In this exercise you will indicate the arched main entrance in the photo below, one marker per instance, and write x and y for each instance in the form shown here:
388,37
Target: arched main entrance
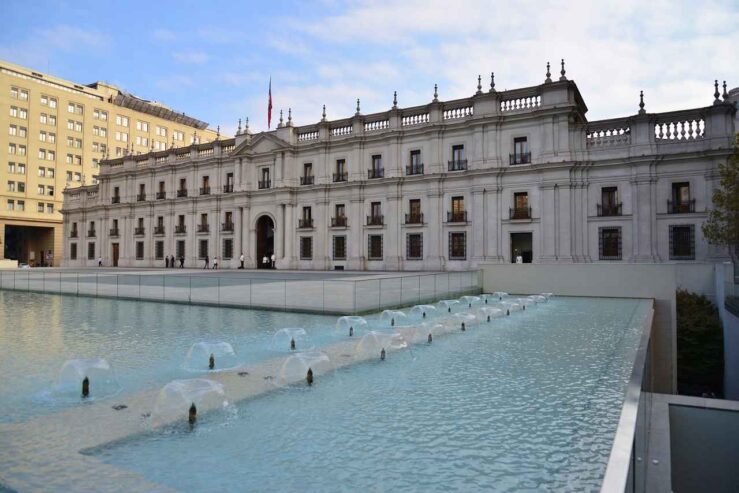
265,241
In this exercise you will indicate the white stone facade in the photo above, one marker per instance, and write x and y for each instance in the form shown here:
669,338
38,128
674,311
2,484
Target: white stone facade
643,161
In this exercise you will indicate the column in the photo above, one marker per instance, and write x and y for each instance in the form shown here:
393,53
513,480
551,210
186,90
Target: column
565,213
548,238
435,221
478,220
355,235
643,210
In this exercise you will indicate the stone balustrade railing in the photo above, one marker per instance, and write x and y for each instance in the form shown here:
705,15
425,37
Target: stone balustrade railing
341,130
608,133
308,135
414,119
679,126
455,113
376,125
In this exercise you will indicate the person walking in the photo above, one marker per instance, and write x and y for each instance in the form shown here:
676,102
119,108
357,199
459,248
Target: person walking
171,262
166,262
207,262
274,265
241,259
100,261
215,262
182,261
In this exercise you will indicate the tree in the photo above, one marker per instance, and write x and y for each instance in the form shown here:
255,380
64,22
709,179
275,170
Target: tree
722,225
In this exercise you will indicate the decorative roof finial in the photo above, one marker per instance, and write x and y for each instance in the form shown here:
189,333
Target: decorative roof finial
323,115
726,94
395,99
641,103
171,146
716,94
246,125
218,132
238,130
479,84
289,117
436,93
492,81
562,72
357,113
195,137
281,124
549,75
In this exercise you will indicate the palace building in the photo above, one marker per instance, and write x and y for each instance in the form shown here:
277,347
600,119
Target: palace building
501,176
57,132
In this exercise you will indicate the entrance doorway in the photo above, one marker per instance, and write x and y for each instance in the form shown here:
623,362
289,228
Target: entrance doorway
265,242
521,245
114,254
33,245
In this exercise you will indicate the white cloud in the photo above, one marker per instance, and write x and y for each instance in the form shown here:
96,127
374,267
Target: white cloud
164,35
194,57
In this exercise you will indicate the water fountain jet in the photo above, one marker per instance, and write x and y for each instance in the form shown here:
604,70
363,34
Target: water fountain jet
85,388
211,362
309,377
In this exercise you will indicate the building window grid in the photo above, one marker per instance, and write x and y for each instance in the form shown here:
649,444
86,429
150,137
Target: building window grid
374,247
228,249
682,242
457,246
306,248
339,247
610,243
414,246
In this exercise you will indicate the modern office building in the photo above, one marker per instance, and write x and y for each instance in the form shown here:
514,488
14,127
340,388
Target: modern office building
57,132
517,175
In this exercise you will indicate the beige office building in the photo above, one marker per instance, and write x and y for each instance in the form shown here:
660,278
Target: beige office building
56,132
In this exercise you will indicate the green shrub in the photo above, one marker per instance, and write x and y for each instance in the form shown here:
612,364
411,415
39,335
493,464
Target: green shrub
700,346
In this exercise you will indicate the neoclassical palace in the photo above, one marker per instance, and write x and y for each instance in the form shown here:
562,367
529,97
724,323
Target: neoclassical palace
501,176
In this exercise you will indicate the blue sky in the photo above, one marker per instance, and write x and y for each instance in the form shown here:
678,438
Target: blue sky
213,59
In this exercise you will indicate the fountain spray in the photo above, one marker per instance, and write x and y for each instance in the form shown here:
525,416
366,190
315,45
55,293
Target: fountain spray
309,377
211,362
85,388
292,344
382,355
192,415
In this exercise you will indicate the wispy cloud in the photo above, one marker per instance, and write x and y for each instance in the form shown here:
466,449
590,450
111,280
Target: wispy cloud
194,57
164,35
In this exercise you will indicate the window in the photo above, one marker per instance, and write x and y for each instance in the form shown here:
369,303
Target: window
229,187
458,213
414,246
41,171
158,250
24,95
22,131
415,159
414,212
341,174
50,190
458,161
21,186
306,248
121,120
100,115
22,114
40,207
91,250
521,154
41,190
14,111
12,130
52,103
70,107
11,186
610,243
11,205
143,126
52,120
521,208
374,247
12,149
681,201
339,247
50,172
50,208
682,242
161,131
307,178
20,205
14,92
457,246
11,167
22,151
180,248
203,248
228,248
73,251
139,250
375,218
177,135
377,170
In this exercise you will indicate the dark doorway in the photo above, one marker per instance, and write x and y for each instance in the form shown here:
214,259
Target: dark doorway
521,244
115,254
29,244
265,242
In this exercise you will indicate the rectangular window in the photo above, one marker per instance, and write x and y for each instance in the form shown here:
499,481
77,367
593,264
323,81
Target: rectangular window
457,153
341,174
374,247
339,247
228,248
609,197
203,248
139,250
415,158
610,243
91,250
457,246
682,242
73,251
20,205
50,208
11,205
180,249
159,250
521,154
306,248
40,207
414,246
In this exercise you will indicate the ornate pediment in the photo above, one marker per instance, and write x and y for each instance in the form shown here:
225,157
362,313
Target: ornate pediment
261,143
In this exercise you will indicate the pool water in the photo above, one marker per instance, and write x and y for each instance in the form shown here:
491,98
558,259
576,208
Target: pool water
528,402
145,342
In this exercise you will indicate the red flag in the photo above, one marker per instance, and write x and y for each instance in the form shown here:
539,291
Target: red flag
269,106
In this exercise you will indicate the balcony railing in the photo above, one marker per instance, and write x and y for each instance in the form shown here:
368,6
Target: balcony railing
180,229
139,231
457,165
520,158
73,233
414,218
373,173
227,227
204,190
519,213
338,222
375,220
305,222
341,177
203,228
228,188
456,217
414,169
161,195
158,230
141,197
182,192
114,232
91,233
681,207
116,199
609,209
263,184
306,180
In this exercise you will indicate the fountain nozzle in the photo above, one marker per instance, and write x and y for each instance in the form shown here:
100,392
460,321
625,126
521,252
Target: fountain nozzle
382,355
85,388
309,377
292,344
463,327
211,362
449,310
351,331
392,322
488,318
192,415
430,338
424,314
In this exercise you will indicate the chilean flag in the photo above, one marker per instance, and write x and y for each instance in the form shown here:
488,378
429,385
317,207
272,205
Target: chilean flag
269,106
